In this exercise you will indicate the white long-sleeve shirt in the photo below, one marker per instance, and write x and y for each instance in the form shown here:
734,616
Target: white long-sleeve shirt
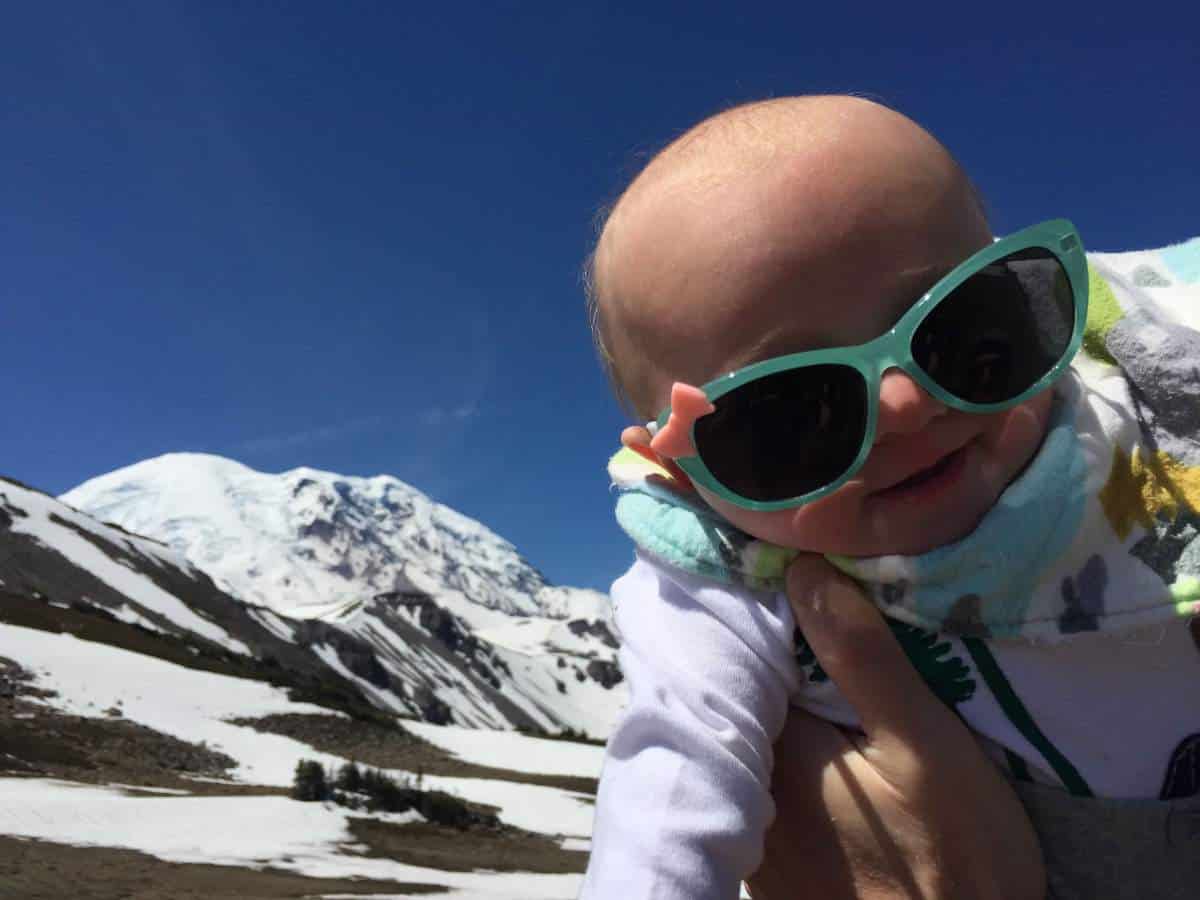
684,798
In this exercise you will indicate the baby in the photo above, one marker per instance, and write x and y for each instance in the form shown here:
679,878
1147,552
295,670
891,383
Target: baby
804,299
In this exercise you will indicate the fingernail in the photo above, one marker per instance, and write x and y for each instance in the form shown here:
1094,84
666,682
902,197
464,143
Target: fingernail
806,578
823,599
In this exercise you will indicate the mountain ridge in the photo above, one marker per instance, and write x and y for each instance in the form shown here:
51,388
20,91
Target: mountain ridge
420,647
305,541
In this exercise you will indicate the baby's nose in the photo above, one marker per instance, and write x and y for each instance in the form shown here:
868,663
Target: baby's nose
904,406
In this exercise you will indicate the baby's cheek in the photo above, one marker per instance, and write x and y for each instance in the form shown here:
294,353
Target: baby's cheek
1015,436
762,525
832,524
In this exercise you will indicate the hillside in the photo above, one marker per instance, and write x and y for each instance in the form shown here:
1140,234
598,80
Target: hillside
152,719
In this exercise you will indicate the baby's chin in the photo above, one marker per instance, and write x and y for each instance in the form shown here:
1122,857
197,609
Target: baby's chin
884,537
871,536
874,536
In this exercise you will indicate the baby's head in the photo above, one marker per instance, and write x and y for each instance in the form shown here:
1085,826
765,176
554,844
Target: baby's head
799,224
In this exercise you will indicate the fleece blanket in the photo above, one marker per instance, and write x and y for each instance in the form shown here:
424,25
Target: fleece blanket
1099,532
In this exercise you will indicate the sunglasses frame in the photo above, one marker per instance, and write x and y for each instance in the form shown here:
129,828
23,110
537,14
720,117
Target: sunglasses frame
893,349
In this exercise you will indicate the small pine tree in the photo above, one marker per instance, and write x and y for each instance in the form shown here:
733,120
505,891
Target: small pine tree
309,784
349,778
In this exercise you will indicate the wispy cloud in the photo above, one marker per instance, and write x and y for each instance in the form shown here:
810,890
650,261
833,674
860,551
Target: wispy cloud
308,436
446,415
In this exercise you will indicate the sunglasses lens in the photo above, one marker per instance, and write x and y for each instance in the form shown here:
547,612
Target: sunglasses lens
785,435
999,331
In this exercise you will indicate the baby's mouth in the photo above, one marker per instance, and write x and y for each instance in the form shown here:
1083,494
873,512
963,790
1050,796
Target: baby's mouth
943,467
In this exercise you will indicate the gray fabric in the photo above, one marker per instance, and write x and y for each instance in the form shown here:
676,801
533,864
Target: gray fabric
1105,849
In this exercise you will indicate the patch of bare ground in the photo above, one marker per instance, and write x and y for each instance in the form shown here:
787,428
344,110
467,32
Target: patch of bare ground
37,740
503,849
39,870
311,683
381,746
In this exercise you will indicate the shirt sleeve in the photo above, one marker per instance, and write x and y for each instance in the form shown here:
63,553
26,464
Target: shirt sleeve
684,799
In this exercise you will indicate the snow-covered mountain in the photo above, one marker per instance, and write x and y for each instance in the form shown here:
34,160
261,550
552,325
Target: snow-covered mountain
331,580
123,663
306,543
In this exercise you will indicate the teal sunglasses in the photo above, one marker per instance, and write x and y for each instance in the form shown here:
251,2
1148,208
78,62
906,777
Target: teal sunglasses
996,330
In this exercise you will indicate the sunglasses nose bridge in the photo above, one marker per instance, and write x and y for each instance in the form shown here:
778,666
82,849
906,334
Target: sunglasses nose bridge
886,353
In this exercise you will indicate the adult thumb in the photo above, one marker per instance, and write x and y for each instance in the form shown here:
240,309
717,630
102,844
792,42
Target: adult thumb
854,645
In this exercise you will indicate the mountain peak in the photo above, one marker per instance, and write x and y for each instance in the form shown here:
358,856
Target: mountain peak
307,542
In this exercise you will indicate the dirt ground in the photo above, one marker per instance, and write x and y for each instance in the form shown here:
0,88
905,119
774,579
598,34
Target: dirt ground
36,870
36,740
39,742
439,847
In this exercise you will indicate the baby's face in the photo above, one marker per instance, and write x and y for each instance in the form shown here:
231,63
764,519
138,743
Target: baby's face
799,256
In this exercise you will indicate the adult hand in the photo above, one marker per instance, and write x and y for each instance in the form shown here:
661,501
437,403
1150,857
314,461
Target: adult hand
911,807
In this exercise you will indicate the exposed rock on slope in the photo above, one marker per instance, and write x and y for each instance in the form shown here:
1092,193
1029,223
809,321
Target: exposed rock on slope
403,650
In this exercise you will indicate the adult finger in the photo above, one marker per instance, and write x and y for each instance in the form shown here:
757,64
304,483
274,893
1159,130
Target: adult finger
859,652
635,435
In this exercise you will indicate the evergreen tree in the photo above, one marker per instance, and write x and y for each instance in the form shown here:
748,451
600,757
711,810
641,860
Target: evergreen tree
309,783
349,778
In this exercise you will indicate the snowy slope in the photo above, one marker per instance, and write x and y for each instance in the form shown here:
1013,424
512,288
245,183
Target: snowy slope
260,830
307,542
124,564
402,652
462,628
103,623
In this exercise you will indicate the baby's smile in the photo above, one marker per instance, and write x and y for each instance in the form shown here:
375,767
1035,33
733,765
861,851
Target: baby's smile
928,478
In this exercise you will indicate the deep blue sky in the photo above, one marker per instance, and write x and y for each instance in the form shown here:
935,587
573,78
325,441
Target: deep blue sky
348,235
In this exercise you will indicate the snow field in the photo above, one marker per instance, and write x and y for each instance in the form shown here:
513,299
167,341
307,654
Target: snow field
510,750
193,706
307,838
